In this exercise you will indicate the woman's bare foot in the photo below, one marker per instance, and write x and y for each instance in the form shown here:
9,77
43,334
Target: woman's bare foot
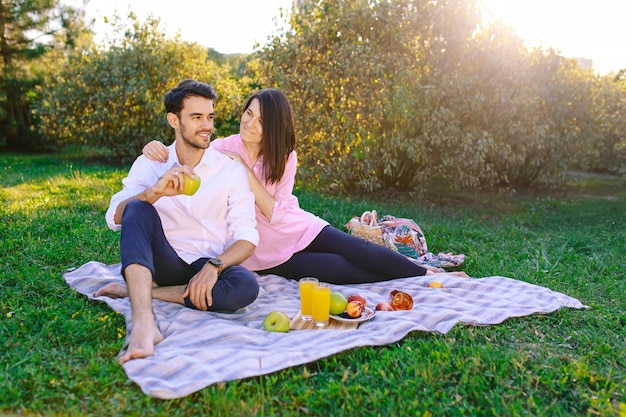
143,336
459,274
454,273
112,290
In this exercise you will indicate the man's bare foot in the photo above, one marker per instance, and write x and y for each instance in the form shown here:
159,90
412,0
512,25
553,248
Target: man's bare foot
141,341
112,290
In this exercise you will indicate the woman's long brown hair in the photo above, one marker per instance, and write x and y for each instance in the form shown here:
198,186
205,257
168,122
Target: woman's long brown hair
278,127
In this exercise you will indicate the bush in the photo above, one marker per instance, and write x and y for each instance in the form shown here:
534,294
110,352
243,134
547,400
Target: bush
395,93
112,99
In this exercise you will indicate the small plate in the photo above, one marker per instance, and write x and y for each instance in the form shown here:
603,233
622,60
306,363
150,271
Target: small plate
367,314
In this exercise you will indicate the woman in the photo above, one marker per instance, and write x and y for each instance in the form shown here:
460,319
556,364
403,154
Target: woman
294,243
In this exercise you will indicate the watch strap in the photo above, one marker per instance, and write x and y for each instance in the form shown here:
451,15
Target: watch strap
216,262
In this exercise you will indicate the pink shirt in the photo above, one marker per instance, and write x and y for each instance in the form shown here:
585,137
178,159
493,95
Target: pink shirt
291,228
220,213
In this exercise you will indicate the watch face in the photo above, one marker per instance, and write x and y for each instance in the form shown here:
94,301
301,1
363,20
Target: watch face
216,262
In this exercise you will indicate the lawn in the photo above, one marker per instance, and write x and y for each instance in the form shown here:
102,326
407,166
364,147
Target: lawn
60,348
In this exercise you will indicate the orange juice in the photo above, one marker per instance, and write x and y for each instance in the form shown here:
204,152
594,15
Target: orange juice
306,289
321,304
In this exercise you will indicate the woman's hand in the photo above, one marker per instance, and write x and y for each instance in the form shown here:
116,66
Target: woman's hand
156,151
234,156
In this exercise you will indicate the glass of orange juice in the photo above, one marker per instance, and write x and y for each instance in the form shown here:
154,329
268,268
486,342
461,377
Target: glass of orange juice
306,289
321,304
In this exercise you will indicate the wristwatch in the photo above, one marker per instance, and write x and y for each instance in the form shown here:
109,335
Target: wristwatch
216,262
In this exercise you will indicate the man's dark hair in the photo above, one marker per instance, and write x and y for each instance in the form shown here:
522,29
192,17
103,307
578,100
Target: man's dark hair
187,88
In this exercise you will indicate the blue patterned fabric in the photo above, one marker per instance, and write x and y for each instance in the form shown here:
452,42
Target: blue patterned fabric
203,348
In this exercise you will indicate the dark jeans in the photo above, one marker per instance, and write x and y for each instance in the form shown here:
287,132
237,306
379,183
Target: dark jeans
337,257
143,242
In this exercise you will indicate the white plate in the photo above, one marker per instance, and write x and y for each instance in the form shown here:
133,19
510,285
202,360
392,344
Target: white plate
367,314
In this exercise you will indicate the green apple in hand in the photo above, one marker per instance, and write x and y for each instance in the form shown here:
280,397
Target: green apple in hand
190,185
338,303
276,321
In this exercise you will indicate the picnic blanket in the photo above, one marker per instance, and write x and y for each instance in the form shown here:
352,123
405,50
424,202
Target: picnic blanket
203,348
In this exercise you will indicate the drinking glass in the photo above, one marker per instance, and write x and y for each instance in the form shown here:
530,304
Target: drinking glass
321,304
306,288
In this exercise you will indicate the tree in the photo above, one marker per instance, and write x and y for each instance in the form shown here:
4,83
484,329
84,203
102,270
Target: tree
392,93
609,97
362,77
28,30
110,98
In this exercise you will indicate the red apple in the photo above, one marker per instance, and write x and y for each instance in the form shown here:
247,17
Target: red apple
357,297
384,306
354,309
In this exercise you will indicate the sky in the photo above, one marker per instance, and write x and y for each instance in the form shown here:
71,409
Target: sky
592,29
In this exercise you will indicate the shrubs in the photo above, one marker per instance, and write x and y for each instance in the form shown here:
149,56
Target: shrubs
392,94
386,94
112,99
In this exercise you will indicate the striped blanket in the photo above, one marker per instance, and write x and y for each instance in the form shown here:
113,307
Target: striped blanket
204,348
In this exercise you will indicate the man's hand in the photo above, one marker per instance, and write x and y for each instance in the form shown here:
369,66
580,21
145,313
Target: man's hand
171,182
200,288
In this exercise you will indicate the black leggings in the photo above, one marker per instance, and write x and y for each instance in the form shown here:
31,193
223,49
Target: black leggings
337,257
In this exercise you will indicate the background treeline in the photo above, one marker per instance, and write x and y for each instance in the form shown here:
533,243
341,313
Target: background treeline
396,93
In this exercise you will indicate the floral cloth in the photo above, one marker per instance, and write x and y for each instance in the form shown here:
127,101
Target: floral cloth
404,236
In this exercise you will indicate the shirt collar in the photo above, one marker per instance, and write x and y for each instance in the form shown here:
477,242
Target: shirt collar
208,157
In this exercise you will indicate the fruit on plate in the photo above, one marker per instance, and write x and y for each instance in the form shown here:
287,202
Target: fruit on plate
338,303
276,321
357,297
190,185
401,300
435,284
354,309
384,306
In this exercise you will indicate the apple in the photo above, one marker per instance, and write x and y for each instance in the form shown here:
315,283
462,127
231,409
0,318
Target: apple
384,306
357,297
276,321
338,303
435,284
190,185
354,309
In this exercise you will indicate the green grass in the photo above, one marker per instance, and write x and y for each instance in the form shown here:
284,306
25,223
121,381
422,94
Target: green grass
59,348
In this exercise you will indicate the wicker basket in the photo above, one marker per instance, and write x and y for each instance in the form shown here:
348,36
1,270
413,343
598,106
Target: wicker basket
366,227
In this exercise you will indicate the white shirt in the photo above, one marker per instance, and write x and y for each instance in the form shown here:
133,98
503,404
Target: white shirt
220,213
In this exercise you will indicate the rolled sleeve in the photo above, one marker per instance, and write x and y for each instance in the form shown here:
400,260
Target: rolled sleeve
283,197
136,182
241,216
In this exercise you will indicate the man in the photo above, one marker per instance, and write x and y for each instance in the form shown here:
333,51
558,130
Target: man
180,248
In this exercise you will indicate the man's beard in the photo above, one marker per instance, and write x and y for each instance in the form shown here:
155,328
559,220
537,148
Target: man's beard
188,139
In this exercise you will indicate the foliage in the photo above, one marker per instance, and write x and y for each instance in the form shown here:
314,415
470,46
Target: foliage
395,93
30,30
59,347
608,125
112,98
387,94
